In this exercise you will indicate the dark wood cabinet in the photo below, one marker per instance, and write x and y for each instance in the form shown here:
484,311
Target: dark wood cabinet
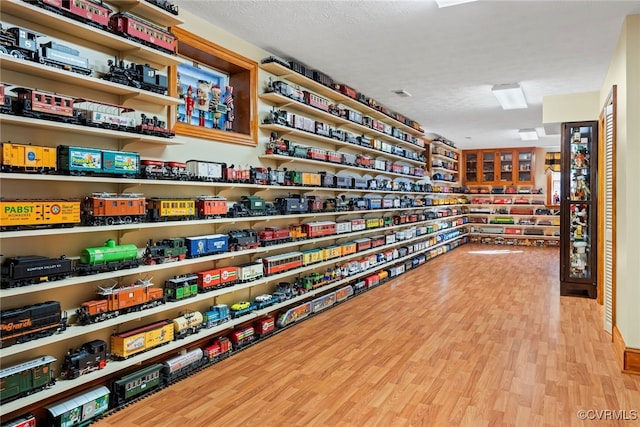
578,209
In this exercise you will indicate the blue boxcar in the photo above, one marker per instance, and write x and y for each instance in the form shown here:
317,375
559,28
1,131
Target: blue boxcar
91,161
374,203
207,245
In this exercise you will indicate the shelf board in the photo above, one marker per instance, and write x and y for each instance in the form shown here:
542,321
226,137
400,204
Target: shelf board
77,30
445,158
373,172
41,70
150,12
285,130
307,83
509,236
126,137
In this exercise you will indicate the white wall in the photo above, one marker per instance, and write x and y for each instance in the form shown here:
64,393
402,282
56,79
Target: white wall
624,72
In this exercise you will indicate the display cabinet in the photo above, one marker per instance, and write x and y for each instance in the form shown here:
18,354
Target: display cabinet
578,255
499,166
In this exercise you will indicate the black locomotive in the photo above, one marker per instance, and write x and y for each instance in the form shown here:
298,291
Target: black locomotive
240,240
135,75
90,357
28,270
292,204
27,323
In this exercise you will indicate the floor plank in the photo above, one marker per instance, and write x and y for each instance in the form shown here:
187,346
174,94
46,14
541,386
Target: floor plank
473,338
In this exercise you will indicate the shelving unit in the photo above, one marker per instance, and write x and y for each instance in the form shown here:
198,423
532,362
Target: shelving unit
434,237
499,167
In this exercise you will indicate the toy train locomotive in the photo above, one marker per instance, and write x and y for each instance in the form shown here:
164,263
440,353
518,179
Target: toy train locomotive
23,44
136,75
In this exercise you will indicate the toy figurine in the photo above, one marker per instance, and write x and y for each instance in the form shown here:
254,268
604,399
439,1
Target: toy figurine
228,100
202,98
214,106
188,104
180,90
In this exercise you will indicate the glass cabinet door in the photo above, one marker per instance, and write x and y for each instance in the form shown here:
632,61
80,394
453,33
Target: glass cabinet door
506,166
471,167
525,166
488,166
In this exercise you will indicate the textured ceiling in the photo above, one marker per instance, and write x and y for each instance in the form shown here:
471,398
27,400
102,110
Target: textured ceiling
447,59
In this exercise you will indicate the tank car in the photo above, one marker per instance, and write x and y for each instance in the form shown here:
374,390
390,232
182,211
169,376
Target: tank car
90,357
30,322
187,324
182,365
26,378
109,257
29,270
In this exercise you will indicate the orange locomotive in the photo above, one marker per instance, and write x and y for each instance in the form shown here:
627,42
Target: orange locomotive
110,208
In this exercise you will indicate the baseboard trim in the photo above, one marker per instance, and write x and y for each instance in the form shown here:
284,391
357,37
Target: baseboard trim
628,358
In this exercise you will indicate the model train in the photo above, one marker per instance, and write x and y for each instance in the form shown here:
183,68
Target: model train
31,322
99,15
23,44
143,77
44,105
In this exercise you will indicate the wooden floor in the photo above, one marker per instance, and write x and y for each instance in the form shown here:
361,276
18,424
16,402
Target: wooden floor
472,338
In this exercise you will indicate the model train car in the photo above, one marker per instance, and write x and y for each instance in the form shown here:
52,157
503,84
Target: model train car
26,378
90,357
136,75
31,322
29,270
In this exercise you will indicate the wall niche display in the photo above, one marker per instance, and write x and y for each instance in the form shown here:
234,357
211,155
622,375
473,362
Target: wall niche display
217,88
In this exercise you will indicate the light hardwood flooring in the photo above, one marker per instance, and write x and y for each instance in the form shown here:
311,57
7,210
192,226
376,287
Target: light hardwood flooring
471,338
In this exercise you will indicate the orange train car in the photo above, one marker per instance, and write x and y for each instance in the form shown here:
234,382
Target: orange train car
129,343
110,208
17,214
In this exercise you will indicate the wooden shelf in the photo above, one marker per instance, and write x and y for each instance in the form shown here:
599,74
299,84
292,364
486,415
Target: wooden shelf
150,12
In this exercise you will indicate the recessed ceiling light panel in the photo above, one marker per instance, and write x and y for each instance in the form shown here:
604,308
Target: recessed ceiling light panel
510,96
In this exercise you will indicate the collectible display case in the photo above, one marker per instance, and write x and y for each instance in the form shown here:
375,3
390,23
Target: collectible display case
578,256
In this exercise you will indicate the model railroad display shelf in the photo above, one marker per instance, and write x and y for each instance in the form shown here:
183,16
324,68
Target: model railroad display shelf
578,231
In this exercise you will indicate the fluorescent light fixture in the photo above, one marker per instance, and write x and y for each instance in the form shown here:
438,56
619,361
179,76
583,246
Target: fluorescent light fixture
528,134
447,3
510,96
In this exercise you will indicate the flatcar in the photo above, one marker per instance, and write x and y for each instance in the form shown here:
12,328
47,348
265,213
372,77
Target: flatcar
166,250
111,208
88,358
117,300
240,240
135,28
264,301
240,309
22,324
135,384
90,161
181,287
29,270
109,257
280,263
210,244
170,209
129,343
26,378
217,278
274,236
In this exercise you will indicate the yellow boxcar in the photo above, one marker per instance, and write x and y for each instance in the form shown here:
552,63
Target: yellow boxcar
348,248
311,256
28,158
311,179
332,252
21,213
126,344
374,222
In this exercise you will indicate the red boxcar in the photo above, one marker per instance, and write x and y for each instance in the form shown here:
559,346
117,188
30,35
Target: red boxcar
242,336
372,281
36,102
264,326
377,241
217,278
211,207
232,174
363,244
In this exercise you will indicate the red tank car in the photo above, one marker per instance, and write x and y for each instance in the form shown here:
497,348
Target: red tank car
264,327
209,207
217,278
273,236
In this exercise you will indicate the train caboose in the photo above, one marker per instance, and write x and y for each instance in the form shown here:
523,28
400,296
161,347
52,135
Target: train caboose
90,357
